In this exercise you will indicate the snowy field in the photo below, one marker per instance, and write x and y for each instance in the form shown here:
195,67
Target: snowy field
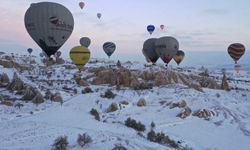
225,127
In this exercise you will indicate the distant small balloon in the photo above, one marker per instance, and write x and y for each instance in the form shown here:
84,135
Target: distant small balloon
150,28
85,41
81,4
162,26
99,15
30,50
179,56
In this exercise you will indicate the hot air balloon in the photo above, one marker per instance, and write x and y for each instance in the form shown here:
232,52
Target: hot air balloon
166,48
236,50
149,50
237,68
179,56
30,50
150,28
80,56
49,25
58,54
162,26
81,4
99,15
41,54
85,41
109,48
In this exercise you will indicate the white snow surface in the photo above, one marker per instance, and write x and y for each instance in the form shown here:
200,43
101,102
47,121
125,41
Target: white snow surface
229,129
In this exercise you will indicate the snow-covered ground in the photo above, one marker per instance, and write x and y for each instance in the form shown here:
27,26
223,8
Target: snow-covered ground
37,126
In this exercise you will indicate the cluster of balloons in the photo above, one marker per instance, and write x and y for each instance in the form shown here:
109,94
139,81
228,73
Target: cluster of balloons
51,24
151,28
165,48
82,5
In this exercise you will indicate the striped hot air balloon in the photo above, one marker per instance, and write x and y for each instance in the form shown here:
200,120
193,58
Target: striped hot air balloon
236,51
179,56
80,56
109,48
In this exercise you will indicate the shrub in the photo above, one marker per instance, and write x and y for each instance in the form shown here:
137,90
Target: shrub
109,94
119,147
161,138
95,113
152,125
60,143
87,90
138,126
83,139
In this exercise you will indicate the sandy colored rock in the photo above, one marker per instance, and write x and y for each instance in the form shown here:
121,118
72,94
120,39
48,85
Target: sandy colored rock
184,114
83,83
38,99
142,103
4,79
224,83
7,103
204,113
124,102
113,107
16,84
60,61
29,93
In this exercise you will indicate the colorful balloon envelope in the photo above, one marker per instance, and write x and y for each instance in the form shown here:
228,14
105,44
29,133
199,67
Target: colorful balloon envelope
29,50
236,51
162,26
150,28
166,48
85,41
109,48
149,50
99,15
81,4
49,25
80,56
179,56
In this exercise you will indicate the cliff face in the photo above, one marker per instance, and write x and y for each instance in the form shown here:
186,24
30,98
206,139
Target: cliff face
139,79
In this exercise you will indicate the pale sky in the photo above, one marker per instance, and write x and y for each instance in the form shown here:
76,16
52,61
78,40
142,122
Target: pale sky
198,25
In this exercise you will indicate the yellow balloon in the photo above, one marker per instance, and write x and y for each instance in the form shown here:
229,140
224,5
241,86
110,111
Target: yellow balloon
80,56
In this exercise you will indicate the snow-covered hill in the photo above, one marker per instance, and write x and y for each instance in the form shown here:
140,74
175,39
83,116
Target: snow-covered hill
184,103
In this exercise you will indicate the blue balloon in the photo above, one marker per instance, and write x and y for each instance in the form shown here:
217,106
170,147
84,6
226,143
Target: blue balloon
29,50
151,28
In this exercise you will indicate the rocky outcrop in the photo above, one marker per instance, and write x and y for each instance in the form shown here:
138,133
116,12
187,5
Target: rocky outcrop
204,113
142,103
184,114
38,99
16,84
181,104
224,83
29,93
113,107
4,80
57,97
